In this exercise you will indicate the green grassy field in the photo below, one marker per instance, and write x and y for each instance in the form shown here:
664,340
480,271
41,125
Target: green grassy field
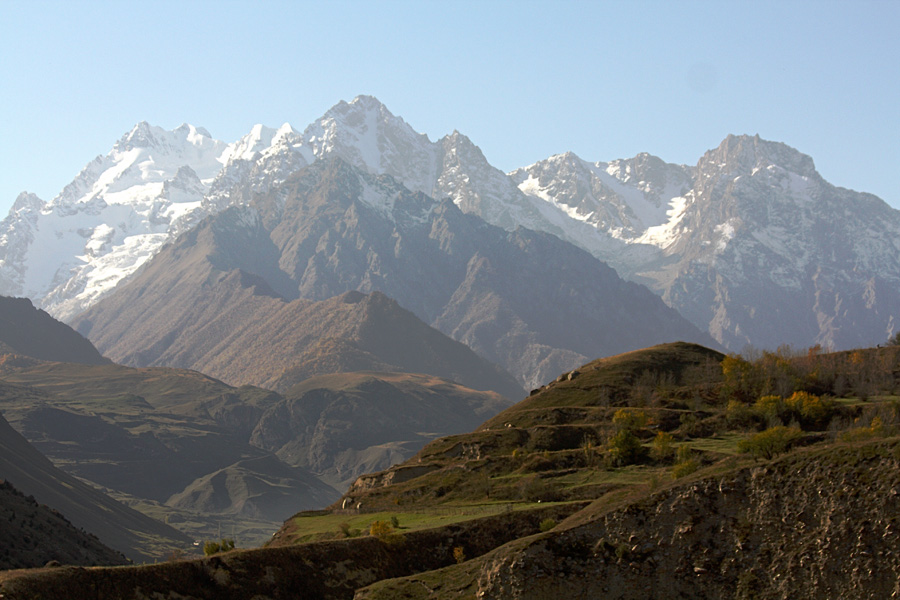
314,527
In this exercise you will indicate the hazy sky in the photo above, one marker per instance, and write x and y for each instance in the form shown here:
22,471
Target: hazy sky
524,80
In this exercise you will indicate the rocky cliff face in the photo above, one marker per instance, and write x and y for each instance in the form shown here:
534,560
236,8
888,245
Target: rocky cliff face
818,525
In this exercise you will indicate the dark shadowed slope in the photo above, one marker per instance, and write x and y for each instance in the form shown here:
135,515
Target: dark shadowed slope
34,534
137,536
27,330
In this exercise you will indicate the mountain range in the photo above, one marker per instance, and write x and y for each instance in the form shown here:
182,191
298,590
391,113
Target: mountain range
525,300
751,244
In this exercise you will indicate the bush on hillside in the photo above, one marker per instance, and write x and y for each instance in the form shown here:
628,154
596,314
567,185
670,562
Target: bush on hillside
662,448
224,545
771,442
685,463
625,448
738,415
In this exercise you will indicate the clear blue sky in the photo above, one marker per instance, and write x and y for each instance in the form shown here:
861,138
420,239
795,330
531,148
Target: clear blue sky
524,80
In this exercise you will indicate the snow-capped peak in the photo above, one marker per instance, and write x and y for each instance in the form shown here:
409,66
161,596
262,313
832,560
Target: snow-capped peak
258,139
25,202
111,218
742,154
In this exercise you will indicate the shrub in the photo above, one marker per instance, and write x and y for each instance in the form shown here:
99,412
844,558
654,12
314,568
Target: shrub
685,464
769,408
625,448
385,533
738,414
690,425
630,419
662,446
224,545
459,555
873,430
771,442
380,529
347,532
685,468
812,411
395,522
547,524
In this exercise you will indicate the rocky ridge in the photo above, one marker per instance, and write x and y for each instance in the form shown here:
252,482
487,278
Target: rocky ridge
751,244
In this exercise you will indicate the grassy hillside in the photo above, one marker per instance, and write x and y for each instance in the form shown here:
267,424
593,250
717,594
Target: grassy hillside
677,471
160,440
344,425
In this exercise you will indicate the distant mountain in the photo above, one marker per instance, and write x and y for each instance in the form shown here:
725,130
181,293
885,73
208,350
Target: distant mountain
190,445
524,300
208,303
341,426
137,536
751,244
114,215
32,332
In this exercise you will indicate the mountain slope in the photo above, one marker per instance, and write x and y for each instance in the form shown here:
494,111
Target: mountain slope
152,433
128,531
187,442
111,218
27,330
341,426
221,315
525,300
33,535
